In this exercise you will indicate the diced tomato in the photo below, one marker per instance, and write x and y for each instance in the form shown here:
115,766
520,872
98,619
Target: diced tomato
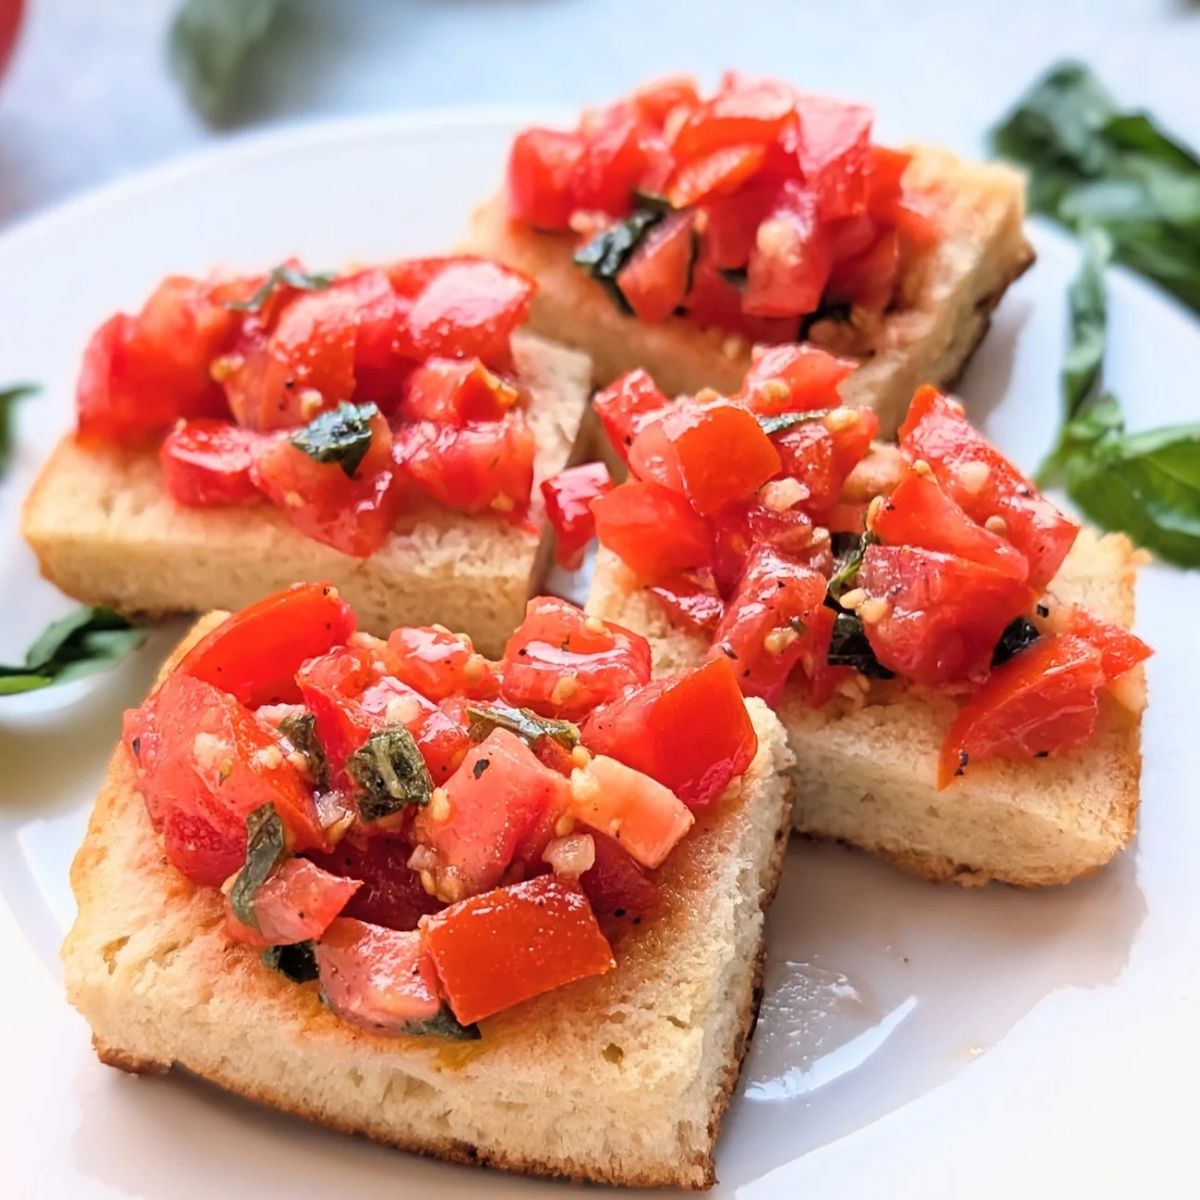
715,174
813,659
456,391
868,279
765,620
495,950
690,601
811,375
208,765
752,114
470,310
207,462
738,529
614,160
540,166
655,101
561,663
654,530
295,904
714,301
922,513
473,468
624,405
1042,701
821,454
615,885
1120,650
731,224
255,653
439,664
985,483
835,154
943,614
502,805
352,513
689,731
792,257
391,893
382,980
568,496
851,236
657,277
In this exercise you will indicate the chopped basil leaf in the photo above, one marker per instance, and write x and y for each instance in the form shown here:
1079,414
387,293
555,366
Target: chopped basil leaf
304,281
266,848
785,421
442,1024
342,435
848,647
609,251
389,774
87,641
301,730
1092,165
1018,635
525,724
736,277
655,200
210,40
297,962
8,399
847,565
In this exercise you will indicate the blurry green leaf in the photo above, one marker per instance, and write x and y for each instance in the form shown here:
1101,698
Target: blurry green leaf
80,644
8,399
305,281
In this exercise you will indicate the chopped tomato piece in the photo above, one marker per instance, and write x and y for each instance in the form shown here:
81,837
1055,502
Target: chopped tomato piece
456,391
657,277
255,653
295,904
207,462
811,377
835,154
561,663
732,223
440,664
615,885
792,257
689,601
473,468
568,496
813,659
1042,701
654,530
766,619
624,405
821,453
750,114
985,483
540,166
390,893
1120,650
655,101
741,527
941,615
715,174
379,979
714,301
495,950
868,279
922,513
604,178
501,806
689,731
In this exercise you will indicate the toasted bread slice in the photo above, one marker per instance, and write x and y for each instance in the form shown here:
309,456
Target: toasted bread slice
866,772
943,311
619,1079
106,532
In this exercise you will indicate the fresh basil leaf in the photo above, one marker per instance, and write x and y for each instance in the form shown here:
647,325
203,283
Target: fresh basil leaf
605,255
301,730
209,43
266,848
846,566
8,399
341,435
521,721
1019,634
782,422
283,276
442,1024
1088,310
80,644
389,774
297,961
848,647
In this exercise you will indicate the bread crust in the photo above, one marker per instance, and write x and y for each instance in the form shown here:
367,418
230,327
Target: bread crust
945,305
106,532
622,1079
866,773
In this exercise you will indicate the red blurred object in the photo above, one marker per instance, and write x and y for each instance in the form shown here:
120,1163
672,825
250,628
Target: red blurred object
10,23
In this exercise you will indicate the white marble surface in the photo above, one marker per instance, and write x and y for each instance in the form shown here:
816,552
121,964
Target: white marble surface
89,97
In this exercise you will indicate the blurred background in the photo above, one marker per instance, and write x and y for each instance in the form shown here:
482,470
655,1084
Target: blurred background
92,92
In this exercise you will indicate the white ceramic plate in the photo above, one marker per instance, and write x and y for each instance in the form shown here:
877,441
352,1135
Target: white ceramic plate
914,1040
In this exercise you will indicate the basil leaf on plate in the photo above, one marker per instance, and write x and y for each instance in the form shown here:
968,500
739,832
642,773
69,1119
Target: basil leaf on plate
341,435
282,276
8,399
82,643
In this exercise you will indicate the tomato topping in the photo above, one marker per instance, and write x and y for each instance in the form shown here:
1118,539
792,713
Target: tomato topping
811,377
813,659
690,601
1042,701
819,454
624,405
985,483
500,805
835,154
440,664
654,530
390,893
792,257
940,615
379,979
495,950
742,527
456,391
568,496
255,653
561,663
540,168
715,174
616,887
765,620
295,904
473,468
689,731
658,276
207,462
752,114
868,279
1120,650
613,163
922,513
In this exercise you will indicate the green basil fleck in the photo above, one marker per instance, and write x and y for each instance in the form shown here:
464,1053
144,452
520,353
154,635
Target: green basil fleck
1019,634
608,252
782,422
283,276
847,566
389,774
521,721
300,728
85,642
297,962
342,435
442,1024
849,647
8,400
266,848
